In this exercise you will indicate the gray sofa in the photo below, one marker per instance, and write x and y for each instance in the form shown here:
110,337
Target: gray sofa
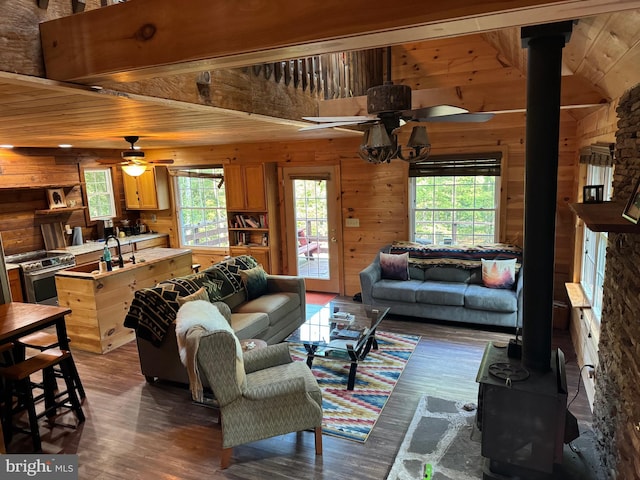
271,317
442,292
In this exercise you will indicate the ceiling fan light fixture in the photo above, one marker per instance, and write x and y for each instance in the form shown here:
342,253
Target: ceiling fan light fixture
419,145
377,146
134,170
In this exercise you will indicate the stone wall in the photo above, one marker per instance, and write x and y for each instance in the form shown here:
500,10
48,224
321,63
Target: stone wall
617,400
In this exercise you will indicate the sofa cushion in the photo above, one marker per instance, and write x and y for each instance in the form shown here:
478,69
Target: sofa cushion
394,267
447,274
275,305
491,299
441,293
395,290
249,325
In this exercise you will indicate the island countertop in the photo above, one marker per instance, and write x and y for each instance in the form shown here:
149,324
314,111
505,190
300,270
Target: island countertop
144,258
99,302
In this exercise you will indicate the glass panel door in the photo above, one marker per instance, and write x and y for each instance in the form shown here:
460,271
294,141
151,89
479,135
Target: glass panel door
312,232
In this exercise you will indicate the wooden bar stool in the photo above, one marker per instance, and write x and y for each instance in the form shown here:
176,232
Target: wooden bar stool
18,384
43,341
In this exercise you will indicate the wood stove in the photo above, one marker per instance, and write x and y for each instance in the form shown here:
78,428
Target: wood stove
521,414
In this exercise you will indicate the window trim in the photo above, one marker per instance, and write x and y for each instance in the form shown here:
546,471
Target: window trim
117,187
177,172
501,191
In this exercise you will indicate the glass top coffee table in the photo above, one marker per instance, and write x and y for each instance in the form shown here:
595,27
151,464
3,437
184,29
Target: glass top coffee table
340,332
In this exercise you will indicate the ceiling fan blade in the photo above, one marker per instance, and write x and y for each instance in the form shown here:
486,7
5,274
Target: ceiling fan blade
110,161
331,125
422,114
461,118
354,118
163,160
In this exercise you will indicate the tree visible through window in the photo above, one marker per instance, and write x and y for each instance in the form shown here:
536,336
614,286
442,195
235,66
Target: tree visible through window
202,207
99,188
455,209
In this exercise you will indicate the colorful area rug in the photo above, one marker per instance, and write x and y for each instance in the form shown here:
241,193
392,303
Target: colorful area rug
353,414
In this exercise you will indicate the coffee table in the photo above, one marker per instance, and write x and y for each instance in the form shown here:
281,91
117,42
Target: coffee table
326,334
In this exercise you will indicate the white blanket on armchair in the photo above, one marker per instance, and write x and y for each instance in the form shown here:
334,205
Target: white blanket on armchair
193,320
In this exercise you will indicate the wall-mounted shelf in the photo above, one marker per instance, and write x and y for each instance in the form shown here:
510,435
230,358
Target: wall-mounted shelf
604,217
41,186
57,211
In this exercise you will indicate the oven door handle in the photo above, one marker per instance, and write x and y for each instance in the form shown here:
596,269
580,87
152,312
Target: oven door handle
37,275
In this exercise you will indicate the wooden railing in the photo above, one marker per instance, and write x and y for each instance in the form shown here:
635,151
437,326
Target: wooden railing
329,76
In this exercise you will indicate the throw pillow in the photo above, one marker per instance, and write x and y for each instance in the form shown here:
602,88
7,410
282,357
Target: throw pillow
255,281
499,273
394,267
201,294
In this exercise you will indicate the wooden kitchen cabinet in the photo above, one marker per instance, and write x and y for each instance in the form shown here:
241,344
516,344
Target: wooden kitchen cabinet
253,214
245,187
15,285
261,254
149,191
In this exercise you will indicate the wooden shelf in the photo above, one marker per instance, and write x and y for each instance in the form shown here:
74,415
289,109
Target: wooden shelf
56,211
604,217
42,186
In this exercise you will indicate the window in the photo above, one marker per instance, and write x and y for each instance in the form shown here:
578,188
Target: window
202,207
595,244
451,205
99,188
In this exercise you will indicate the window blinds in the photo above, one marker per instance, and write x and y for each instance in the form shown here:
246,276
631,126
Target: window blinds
473,164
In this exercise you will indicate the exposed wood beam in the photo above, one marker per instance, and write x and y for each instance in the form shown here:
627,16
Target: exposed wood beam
576,93
135,40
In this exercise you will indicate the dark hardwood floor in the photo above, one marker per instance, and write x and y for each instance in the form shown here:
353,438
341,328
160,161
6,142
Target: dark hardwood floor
135,430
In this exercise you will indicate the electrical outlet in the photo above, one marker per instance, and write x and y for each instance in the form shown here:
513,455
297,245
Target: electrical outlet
154,218
352,222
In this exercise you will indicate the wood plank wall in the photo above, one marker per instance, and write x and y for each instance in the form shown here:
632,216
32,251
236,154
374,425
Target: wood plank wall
375,194
25,175
378,194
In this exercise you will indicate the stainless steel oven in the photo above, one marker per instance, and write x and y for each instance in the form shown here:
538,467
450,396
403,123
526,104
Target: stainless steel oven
38,270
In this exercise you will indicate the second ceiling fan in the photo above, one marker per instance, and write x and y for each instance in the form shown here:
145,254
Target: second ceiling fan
389,108
133,161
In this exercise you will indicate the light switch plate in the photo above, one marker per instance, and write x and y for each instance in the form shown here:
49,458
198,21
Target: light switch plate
352,222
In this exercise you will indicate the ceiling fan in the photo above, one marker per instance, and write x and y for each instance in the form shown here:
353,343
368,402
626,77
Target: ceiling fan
389,108
133,162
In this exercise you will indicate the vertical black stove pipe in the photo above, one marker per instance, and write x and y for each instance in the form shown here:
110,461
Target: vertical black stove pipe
545,44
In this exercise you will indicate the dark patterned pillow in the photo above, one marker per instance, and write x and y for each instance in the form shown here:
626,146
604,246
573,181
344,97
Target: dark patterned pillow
224,277
394,267
255,281
151,313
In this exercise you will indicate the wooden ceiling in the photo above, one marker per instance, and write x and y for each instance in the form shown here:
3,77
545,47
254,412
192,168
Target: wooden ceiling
470,71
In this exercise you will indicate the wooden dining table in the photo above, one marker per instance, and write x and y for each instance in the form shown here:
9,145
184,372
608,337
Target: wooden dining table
20,319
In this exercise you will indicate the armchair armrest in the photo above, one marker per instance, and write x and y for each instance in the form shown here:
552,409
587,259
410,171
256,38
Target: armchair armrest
278,388
262,358
368,277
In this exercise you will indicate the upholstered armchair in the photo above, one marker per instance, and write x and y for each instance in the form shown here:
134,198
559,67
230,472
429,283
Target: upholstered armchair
261,393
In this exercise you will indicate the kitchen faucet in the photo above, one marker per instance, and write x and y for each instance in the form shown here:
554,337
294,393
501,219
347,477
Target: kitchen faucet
106,243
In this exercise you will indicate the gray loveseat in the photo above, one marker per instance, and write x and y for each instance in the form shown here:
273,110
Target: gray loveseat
445,290
272,316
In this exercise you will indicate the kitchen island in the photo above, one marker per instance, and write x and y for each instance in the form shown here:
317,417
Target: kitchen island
99,302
